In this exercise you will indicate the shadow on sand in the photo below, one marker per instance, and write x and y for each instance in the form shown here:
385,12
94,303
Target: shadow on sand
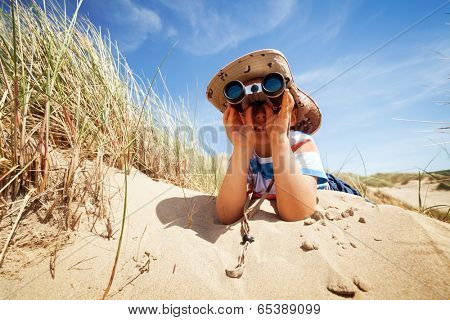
199,214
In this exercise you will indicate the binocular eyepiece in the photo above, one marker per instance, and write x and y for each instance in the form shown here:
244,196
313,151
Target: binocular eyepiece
272,86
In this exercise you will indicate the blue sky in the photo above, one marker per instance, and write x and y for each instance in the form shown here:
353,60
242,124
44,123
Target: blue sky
406,79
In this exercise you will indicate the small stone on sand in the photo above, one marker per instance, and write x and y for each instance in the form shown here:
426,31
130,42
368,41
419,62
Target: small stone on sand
333,237
353,244
377,238
235,273
351,211
361,284
323,222
309,221
345,214
317,215
342,286
310,245
332,214
362,220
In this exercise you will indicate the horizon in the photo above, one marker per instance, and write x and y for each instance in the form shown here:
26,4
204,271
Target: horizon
405,79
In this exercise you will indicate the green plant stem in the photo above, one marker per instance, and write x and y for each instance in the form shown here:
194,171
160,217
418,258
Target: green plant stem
122,228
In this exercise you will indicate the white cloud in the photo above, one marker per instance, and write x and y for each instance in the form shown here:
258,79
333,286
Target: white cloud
358,108
394,82
171,32
207,30
132,24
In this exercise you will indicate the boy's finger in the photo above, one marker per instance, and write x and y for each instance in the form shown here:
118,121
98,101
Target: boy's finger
245,105
234,117
237,118
287,102
290,101
231,112
268,110
226,114
242,118
249,116
267,101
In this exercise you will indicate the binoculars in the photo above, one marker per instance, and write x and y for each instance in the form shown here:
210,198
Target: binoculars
272,87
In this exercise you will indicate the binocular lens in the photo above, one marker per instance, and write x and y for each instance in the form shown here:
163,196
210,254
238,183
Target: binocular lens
234,91
273,84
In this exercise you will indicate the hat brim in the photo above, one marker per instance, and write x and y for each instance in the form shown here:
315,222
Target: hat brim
257,64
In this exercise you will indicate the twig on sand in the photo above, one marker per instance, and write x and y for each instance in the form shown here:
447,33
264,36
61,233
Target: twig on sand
139,245
145,268
53,262
81,261
22,208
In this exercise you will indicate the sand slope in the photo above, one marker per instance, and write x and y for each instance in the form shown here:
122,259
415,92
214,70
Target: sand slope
394,254
409,193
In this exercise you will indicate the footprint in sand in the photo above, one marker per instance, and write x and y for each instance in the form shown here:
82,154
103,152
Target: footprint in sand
342,286
342,244
345,287
361,284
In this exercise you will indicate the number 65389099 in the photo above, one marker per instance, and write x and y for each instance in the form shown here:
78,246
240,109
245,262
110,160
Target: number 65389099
269,308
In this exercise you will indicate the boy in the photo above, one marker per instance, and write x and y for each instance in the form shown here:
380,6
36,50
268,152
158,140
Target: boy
270,139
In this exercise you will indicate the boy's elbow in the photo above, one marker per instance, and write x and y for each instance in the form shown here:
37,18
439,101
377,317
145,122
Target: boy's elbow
295,213
224,215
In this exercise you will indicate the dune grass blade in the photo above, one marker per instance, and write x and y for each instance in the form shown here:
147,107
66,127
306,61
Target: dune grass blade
122,228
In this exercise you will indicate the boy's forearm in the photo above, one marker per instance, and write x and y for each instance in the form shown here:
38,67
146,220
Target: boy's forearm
296,193
233,191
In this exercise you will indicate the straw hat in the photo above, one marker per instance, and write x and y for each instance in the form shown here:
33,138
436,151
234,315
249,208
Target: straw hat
258,64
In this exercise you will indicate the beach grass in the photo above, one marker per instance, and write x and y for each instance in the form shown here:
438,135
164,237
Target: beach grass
71,107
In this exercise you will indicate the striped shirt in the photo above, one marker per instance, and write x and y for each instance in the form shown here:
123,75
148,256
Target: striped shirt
306,155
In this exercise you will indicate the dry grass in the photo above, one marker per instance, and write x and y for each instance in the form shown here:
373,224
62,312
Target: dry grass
70,107
441,213
379,180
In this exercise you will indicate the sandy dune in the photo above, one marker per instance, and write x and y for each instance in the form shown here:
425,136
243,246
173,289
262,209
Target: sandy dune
409,193
174,248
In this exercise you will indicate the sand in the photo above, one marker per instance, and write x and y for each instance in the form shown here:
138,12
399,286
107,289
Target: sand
175,248
409,193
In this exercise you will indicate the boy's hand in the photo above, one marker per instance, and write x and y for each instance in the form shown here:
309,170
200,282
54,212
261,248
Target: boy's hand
277,125
239,128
